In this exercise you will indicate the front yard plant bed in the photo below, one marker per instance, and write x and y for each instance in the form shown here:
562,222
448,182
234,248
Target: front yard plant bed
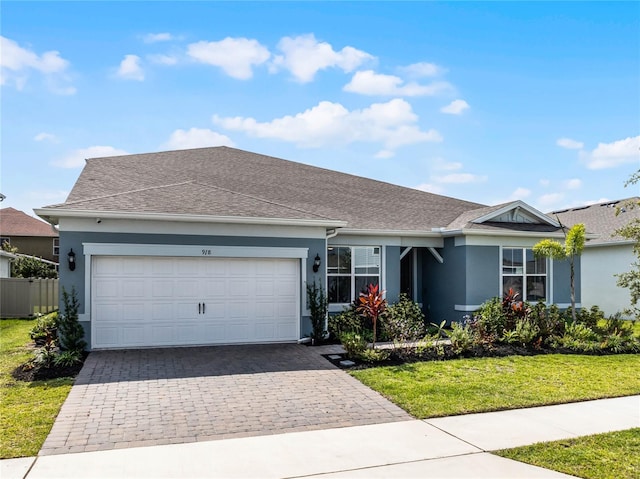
614,455
461,386
28,408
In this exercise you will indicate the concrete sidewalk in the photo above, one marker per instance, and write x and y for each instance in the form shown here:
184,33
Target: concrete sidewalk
452,447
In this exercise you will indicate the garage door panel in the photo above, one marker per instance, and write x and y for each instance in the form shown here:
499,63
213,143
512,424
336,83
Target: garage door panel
153,301
133,312
162,312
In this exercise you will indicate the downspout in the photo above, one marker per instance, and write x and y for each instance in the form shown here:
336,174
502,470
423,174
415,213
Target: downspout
333,234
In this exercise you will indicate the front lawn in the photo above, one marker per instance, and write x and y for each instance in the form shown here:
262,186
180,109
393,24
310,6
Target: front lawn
614,455
27,409
461,386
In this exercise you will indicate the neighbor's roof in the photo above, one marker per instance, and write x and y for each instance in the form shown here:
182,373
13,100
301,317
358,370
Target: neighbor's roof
601,219
223,181
17,223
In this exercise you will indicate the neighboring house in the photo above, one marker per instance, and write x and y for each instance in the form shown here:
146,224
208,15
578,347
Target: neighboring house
5,264
606,254
30,235
216,246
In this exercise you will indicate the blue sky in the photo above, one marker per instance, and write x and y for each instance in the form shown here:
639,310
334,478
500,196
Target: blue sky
484,101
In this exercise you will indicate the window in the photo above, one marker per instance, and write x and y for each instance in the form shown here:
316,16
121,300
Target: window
524,273
56,246
350,269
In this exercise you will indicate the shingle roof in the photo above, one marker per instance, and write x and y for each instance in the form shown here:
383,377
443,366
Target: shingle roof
17,223
223,181
601,218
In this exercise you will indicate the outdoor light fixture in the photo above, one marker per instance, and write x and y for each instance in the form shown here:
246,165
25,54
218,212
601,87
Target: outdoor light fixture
72,260
316,263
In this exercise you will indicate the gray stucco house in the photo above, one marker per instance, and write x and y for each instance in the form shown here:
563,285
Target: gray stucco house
216,245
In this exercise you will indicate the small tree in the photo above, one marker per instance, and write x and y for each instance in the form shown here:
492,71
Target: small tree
70,331
573,245
372,305
318,303
631,231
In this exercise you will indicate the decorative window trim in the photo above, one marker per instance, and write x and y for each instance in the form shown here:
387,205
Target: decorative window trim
548,274
353,275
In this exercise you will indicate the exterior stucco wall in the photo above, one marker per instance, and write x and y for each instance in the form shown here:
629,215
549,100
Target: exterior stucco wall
444,284
392,273
76,279
599,265
562,282
483,274
41,247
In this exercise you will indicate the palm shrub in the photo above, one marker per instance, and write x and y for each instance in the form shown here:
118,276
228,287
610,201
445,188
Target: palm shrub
70,330
318,302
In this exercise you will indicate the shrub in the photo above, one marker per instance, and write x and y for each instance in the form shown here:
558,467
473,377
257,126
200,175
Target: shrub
490,320
462,338
45,328
404,321
45,356
318,303
527,332
374,355
345,322
372,306
550,321
353,343
590,317
66,359
71,331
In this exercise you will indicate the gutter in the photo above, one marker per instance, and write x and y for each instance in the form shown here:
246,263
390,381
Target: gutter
53,215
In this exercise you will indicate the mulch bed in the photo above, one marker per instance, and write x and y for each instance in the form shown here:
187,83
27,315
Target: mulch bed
28,372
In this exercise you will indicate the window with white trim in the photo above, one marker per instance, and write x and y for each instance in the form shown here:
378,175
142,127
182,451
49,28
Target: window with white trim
350,270
56,246
524,273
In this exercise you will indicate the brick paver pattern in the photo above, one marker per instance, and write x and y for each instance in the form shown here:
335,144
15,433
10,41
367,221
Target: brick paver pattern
165,396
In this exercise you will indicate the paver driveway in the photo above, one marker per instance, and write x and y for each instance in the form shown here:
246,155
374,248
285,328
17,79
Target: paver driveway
165,396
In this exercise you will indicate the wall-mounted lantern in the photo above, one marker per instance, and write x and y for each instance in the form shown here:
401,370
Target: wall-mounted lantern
316,263
72,260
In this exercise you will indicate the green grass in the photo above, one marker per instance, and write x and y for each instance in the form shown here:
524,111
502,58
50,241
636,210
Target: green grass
614,455
27,410
444,388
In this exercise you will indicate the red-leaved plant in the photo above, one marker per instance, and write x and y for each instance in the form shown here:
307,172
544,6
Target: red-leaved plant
372,305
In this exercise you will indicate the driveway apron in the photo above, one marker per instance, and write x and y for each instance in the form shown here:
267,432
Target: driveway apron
147,397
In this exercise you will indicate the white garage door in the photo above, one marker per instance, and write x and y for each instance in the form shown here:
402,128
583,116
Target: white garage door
159,301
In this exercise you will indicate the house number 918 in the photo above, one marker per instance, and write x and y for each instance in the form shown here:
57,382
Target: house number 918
206,252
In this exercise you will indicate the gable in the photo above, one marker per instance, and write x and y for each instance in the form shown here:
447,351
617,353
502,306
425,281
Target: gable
516,212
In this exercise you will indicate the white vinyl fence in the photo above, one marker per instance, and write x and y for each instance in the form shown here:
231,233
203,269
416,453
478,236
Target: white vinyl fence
24,298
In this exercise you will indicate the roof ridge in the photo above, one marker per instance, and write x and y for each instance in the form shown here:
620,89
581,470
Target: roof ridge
264,200
127,192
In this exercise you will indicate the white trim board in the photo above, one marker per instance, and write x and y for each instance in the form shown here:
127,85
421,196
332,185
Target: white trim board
203,251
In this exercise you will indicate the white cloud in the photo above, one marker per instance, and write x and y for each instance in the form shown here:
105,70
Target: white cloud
423,69
544,182
16,63
304,56
550,201
157,37
610,155
162,59
45,136
76,159
384,154
520,193
573,184
430,188
460,178
368,82
236,56
442,165
197,138
456,107
130,68
569,144
393,124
